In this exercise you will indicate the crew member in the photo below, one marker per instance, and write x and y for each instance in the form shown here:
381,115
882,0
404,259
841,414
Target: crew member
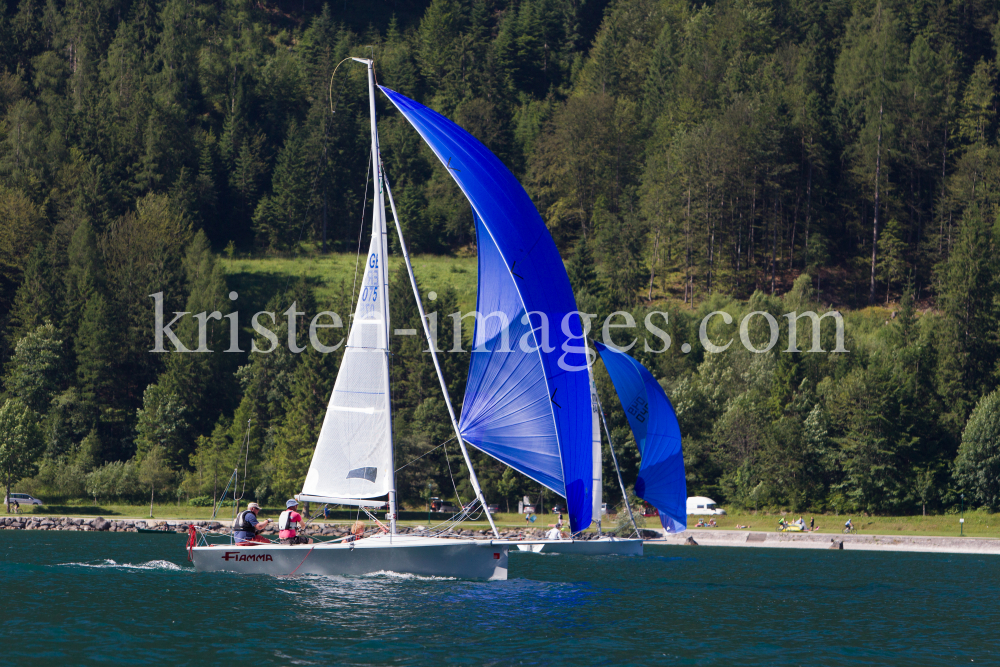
246,526
288,523
357,532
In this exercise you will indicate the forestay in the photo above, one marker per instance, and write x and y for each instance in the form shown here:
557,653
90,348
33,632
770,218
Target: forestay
521,404
651,416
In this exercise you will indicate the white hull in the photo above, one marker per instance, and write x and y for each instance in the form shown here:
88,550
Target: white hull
602,546
405,554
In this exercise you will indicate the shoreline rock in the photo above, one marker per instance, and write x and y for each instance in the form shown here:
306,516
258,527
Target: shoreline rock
179,526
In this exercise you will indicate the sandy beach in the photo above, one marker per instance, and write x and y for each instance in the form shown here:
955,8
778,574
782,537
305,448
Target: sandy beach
737,538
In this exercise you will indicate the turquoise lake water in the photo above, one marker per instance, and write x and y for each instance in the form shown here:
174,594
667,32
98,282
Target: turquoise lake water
80,598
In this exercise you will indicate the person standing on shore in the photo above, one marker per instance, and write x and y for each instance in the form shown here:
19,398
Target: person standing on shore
288,524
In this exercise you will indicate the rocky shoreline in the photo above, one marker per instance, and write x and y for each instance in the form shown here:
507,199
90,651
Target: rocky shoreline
333,530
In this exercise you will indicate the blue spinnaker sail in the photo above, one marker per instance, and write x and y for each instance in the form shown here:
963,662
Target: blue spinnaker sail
527,401
661,480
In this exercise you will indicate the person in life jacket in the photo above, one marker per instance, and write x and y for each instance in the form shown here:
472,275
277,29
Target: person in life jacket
288,524
357,532
246,526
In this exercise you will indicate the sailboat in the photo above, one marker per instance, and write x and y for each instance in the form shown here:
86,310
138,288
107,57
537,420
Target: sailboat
603,545
520,406
661,481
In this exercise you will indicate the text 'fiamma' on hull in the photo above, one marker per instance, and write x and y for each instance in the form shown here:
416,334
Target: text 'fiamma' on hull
422,556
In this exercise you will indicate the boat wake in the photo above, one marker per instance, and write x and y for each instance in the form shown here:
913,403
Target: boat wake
111,564
405,576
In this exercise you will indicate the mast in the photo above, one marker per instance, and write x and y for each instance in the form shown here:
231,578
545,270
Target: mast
595,438
431,344
379,227
618,471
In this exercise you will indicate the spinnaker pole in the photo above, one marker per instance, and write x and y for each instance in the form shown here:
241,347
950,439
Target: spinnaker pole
432,345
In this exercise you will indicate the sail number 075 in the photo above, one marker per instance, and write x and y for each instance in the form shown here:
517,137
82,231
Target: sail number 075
371,291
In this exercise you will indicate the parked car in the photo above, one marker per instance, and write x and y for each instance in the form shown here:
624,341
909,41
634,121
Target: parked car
557,509
22,499
492,509
649,510
703,505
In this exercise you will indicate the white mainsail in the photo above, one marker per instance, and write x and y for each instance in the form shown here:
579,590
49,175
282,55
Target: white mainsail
353,457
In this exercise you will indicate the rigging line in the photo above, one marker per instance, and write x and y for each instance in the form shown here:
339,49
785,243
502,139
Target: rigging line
426,453
375,519
450,522
303,561
451,474
333,108
361,231
246,461
223,498
614,458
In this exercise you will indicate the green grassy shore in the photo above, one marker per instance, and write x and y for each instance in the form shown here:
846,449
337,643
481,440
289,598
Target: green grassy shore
256,279
977,523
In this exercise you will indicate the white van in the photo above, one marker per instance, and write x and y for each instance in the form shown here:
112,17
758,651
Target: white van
22,499
703,505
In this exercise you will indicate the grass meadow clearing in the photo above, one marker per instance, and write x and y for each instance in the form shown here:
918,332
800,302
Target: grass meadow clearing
330,275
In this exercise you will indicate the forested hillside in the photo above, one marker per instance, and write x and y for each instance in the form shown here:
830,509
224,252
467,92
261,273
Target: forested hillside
687,157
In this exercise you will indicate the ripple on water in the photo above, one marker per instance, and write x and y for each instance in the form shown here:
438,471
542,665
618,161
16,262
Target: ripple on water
127,598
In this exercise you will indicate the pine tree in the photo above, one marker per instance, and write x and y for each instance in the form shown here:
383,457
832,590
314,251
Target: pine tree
281,218
205,194
160,423
975,126
582,274
154,473
439,33
84,275
97,348
213,459
37,371
37,297
202,381
657,89
21,444
19,231
622,244
867,80
977,466
968,294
